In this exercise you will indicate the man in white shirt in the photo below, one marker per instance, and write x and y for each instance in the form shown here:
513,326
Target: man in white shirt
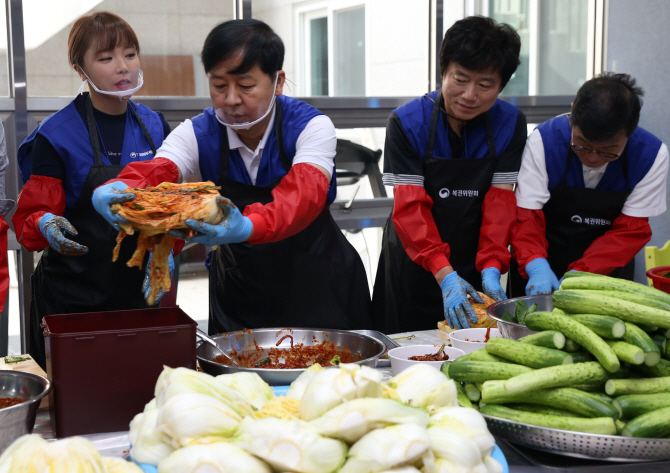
279,259
589,181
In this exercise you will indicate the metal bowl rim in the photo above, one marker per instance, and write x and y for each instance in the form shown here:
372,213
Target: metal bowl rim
572,432
378,342
489,310
46,388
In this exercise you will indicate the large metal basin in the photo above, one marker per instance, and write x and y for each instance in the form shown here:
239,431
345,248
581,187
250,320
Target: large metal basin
368,347
509,329
19,420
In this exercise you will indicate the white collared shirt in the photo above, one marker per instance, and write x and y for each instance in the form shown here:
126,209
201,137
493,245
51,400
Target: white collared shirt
251,158
315,145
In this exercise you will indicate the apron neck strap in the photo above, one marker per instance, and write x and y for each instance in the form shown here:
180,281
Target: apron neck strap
489,135
93,132
434,118
147,135
225,146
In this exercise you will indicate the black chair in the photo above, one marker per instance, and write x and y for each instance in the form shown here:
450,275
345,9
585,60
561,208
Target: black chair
354,161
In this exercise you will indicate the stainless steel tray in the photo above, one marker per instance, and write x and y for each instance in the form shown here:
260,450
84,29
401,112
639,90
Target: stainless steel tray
370,349
578,444
390,344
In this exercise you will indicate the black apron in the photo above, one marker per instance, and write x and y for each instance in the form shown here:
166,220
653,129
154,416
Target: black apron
576,217
312,279
91,282
406,296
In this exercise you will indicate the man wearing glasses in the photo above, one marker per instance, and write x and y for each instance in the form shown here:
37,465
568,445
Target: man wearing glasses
589,181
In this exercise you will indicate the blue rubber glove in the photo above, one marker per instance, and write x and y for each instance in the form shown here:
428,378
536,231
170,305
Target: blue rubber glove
491,284
106,196
146,285
541,279
455,292
52,227
234,228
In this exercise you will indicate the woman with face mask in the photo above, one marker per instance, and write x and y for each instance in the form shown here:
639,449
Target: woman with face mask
71,153
281,260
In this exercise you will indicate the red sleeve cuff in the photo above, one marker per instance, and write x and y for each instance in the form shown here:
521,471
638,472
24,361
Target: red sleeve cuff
436,263
493,263
261,227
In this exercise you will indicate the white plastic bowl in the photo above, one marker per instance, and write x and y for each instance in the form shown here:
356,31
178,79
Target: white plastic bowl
472,339
399,356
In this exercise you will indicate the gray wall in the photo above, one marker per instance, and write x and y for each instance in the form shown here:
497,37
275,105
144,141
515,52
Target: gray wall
637,44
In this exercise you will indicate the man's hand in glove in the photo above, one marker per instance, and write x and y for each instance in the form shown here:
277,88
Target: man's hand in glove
457,307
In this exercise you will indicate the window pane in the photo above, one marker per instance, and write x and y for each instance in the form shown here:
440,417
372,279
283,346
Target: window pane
515,14
558,31
563,42
4,72
376,47
319,56
350,52
170,32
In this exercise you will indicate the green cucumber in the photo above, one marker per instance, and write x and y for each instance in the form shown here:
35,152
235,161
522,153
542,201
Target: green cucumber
666,353
481,355
546,338
462,399
543,410
661,342
653,424
638,337
525,354
648,328
590,388
479,371
571,346
577,332
569,399
595,302
665,332
603,325
634,405
472,392
558,311
598,425
581,356
603,397
619,426
660,370
590,372
627,352
621,289
618,387
575,274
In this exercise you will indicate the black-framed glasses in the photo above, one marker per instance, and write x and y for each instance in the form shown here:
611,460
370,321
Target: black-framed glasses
602,154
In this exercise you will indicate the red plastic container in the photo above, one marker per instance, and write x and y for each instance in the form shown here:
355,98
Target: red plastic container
104,365
656,275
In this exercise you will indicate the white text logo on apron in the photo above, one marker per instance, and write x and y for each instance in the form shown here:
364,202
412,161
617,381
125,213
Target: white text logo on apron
591,221
444,193
134,155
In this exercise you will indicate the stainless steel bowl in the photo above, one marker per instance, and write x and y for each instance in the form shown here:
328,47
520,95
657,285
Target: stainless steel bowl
368,347
19,420
510,329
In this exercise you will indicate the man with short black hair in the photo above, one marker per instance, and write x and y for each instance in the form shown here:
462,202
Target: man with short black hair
590,213
452,156
280,258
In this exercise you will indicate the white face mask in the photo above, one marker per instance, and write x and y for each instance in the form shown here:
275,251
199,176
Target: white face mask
247,125
119,93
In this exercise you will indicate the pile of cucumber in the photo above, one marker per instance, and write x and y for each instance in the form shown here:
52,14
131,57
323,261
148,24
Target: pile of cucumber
599,363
